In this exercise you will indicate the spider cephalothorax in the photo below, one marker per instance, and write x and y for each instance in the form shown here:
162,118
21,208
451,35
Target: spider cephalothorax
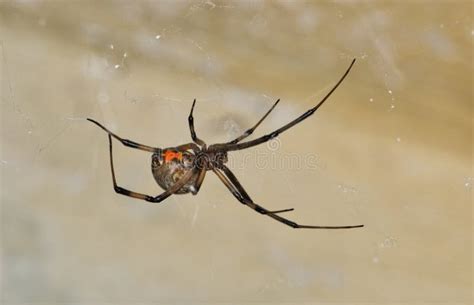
181,169
211,159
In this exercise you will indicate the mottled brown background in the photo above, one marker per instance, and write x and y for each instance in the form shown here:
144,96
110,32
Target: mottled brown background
392,149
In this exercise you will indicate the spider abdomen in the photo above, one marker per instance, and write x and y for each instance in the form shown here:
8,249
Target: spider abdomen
170,166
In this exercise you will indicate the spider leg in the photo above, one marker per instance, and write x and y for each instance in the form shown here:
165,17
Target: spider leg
265,138
200,178
251,130
281,211
229,179
191,127
120,190
126,142
243,196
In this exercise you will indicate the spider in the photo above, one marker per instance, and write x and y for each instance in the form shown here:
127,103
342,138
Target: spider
181,169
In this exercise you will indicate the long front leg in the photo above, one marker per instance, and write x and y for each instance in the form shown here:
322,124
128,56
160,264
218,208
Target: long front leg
179,184
251,130
239,192
265,138
126,142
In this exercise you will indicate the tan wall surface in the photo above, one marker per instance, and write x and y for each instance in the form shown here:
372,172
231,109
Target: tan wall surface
391,149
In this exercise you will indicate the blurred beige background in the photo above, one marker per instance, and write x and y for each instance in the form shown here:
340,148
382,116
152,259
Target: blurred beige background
391,149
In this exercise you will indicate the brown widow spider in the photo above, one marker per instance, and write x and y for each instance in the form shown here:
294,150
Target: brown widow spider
181,169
